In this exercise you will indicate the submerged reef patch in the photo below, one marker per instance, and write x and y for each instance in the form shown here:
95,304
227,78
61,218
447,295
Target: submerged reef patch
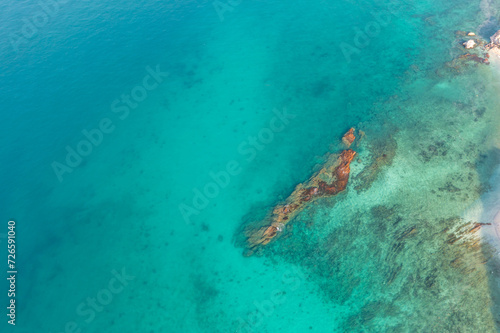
382,152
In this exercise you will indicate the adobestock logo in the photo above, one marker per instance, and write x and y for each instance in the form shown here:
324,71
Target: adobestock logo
221,7
291,281
89,309
84,148
362,37
121,107
248,149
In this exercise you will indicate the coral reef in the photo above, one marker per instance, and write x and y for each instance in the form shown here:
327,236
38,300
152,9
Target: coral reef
470,44
477,53
465,60
383,152
348,138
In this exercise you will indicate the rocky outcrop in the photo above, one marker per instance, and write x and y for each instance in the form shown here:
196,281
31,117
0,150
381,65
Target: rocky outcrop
495,39
329,181
470,44
348,138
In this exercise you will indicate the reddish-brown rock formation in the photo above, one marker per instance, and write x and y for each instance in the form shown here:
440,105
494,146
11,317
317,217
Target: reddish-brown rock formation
466,59
349,138
329,181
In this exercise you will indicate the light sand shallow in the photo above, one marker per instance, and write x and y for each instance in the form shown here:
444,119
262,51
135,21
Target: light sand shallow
487,209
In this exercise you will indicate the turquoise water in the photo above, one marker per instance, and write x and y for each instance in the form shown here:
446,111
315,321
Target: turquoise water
256,94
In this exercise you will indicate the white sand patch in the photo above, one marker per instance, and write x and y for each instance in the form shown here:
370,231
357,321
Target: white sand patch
487,208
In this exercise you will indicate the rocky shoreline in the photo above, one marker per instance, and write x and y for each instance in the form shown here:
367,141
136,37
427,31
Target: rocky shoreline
480,45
